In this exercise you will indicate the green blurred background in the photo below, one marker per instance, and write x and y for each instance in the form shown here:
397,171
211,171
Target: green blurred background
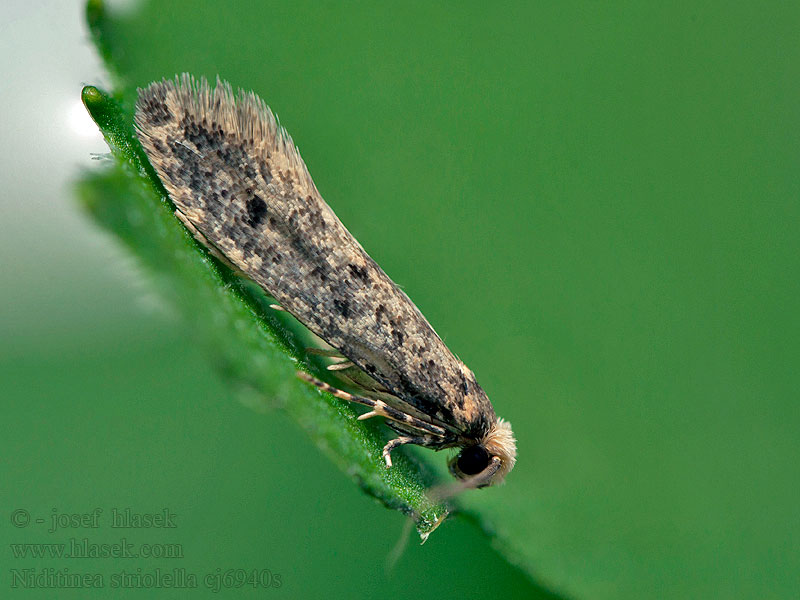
596,205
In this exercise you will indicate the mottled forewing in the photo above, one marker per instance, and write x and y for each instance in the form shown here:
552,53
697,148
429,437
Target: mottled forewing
237,180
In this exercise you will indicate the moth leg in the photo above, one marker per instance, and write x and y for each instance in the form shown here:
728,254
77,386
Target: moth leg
341,366
329,352
378,407
340,363
361,381
422,440
354,376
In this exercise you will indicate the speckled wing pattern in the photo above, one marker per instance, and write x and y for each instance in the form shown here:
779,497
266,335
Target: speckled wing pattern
238,182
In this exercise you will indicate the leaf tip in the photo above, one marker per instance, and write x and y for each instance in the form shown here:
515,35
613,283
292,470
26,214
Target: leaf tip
94,100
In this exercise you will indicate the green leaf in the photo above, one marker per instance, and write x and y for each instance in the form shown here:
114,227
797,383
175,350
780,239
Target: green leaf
596,206
261,348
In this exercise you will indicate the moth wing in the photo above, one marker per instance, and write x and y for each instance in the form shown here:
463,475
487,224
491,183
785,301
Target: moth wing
237,178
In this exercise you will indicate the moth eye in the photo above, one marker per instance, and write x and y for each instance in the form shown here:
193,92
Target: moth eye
473,460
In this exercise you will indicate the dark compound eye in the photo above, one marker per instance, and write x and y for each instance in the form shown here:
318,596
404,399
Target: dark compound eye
473,460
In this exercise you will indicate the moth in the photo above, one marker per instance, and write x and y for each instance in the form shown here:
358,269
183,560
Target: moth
238,183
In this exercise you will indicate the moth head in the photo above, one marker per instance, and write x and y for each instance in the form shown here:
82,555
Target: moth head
489,461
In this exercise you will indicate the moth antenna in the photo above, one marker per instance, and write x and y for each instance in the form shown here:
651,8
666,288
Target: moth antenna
445,492
399,547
